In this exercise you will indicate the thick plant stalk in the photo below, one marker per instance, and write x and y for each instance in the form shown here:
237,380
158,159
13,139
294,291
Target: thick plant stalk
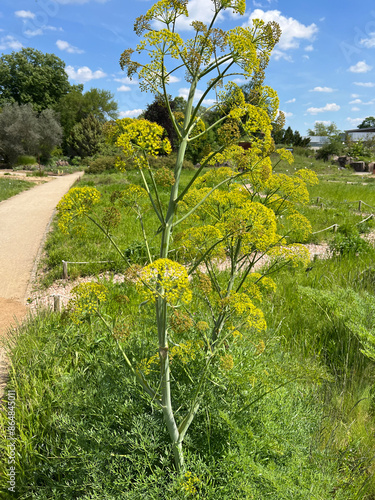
162,306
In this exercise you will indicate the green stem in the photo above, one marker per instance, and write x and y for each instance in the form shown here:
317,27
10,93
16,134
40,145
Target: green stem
144,234
109,237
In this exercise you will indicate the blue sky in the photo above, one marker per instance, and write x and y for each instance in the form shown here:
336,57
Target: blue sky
323,67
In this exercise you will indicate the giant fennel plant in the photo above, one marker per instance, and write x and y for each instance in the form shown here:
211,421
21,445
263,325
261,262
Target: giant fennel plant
222,223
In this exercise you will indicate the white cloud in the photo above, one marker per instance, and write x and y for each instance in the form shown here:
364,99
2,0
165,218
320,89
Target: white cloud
40,31
84,74
322,89
123,88
290,100
63,45
309,48
324,122
369,43
131,113
354,108
279,54
365,84
24,14
354,121
354,96
173,79
209,102
9,42
327,107
287,114
36,32
126,80
239,81
201,10
292,30
356,101
360,67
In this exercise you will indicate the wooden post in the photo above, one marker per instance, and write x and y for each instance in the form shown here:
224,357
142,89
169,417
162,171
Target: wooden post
335,227
57,303
360,205
65,269
318,200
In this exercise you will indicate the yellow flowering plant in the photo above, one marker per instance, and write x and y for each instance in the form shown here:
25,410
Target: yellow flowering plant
221,223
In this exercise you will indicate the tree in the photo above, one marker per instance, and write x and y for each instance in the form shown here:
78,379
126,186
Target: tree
50,133
86,137
367,122
235,211
158,112
18,131
288,136
76,105
333,147
298,140
23,131
321,129
29,76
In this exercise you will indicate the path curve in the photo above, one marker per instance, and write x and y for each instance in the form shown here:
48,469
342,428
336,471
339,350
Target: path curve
24,220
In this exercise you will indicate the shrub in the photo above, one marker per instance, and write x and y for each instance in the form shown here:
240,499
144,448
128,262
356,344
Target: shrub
348,242
334,147
169,162
102,164
25,160
301,151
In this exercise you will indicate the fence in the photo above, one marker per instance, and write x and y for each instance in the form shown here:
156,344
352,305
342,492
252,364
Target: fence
66,262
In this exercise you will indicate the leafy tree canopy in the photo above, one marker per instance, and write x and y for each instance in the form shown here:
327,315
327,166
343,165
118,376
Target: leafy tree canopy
158,112
77,105
86,137
24,131
367,122
29,76
321,129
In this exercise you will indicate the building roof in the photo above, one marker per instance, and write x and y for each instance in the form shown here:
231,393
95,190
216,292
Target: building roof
364,130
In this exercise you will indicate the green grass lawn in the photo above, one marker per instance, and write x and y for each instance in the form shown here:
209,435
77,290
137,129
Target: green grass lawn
10,187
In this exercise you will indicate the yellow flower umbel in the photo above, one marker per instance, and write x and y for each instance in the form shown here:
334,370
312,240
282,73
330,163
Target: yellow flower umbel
77,203
86,301
242,308
143,137
166,279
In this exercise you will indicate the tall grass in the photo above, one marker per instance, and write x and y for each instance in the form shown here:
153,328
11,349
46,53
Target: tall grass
11,187
86,431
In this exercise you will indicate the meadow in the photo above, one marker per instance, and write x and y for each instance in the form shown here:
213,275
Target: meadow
11,187
292,418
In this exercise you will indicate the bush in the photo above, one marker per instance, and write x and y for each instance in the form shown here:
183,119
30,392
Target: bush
348,242
25,160
76,161
102,164
301,151
334,147
169,162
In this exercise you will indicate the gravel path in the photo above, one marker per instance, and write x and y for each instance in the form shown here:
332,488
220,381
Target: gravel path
24,220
